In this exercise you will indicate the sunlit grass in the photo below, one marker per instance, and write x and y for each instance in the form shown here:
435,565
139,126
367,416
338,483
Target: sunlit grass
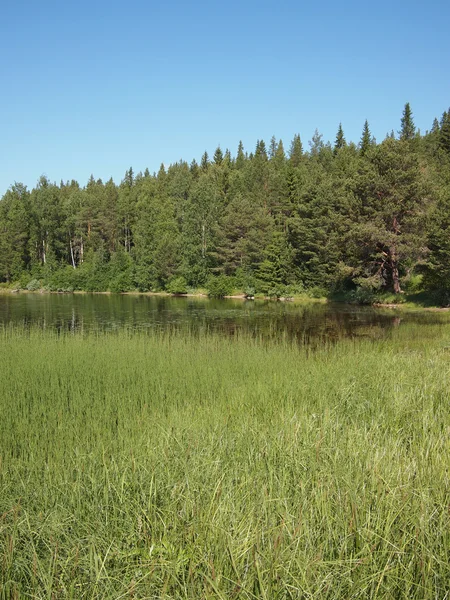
139,465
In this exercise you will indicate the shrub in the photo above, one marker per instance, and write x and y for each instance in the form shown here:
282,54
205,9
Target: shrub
177,285
33,285
220,286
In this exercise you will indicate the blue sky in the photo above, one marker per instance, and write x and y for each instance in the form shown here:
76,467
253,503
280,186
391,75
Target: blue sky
97,87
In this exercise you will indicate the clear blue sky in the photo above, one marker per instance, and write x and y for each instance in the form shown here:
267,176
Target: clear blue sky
99,86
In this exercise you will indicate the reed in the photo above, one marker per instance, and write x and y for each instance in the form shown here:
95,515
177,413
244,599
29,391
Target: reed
170,465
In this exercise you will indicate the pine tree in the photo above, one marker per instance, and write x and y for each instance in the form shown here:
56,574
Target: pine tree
240,157
340,140
316,144
218,156
129,177
296,151
280,155
272,147
408,129
194,168
365,139
435,128
444,133
260,150
204,161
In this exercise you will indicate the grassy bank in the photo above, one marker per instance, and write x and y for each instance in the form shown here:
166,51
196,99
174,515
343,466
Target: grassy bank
170,466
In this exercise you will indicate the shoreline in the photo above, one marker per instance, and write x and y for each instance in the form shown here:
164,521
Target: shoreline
204,296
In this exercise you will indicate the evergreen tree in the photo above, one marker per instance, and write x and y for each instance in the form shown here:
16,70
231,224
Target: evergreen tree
316,143
388,236
296,151
365,139
14,232
194,169
218,156
129,177
204,161
260,151
340,139
240,157
280,156
444,132
272,147
408,129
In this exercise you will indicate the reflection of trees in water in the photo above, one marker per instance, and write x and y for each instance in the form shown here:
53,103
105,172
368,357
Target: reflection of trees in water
305,324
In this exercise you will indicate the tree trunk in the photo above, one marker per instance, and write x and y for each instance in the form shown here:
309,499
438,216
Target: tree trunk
394,270
71,253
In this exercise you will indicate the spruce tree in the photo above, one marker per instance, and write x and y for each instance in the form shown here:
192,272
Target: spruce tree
194,168
218,156
204,161
280,155
365,138
272,147
129,177
296,151
340,139
240,158
316,143
444,133
408,129
260,150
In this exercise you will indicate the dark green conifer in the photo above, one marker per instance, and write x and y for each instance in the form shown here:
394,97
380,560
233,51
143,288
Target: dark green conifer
316,143
280,155
340,140
194,168
365,138
444,133
408,129
240,157
204,161
260,150
218,156
272,147
296,151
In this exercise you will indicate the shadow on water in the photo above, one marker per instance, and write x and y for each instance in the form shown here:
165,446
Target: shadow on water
304,323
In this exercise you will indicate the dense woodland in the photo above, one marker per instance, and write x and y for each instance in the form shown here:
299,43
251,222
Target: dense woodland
358,220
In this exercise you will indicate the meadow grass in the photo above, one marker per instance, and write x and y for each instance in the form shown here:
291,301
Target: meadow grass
146,465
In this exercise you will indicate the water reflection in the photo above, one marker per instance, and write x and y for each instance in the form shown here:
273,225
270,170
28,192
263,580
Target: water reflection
305,323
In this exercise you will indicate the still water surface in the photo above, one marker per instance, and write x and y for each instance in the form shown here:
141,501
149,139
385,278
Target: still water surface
307,323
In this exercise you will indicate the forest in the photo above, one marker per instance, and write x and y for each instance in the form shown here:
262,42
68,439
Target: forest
361,221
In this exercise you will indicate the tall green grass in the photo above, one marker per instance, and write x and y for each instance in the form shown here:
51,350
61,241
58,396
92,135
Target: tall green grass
137,465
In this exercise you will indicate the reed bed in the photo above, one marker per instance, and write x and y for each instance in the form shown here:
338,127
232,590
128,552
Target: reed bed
167,465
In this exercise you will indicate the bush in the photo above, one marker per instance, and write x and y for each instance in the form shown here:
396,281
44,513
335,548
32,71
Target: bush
220,286
33,285
177,285
317,292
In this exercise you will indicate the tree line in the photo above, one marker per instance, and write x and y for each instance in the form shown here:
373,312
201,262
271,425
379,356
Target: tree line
358,219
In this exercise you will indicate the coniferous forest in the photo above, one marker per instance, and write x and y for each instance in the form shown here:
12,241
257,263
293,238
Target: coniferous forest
362,220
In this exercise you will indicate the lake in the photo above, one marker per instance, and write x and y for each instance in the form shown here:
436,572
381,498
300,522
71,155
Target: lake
303,322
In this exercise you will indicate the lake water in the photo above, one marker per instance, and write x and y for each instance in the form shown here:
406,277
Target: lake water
305,323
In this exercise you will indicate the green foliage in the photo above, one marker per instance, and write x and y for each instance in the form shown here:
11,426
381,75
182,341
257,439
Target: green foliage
327,218
340,139
366,139
177,285
220,286
33,285
408,129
